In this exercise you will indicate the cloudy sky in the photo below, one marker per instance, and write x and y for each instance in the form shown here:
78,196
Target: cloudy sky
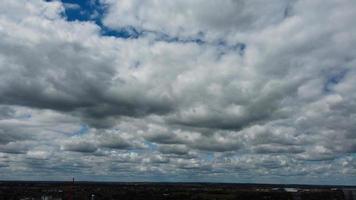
181,90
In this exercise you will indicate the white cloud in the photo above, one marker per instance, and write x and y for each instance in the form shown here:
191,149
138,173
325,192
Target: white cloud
190,18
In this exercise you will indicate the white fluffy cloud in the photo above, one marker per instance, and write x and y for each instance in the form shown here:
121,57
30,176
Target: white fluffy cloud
207,91
191,18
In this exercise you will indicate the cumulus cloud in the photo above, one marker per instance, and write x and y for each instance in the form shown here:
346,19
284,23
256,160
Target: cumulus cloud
204,90
189,18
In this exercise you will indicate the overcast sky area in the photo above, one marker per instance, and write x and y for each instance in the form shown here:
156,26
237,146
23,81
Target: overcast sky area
257,91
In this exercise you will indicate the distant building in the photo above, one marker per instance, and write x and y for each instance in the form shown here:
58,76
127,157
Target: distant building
291,189
49,197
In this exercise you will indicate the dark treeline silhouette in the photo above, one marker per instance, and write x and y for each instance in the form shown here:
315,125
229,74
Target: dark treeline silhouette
173,191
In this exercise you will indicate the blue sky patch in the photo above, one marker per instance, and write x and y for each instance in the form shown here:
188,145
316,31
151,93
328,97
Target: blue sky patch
83,10
82,130
93,10
334,79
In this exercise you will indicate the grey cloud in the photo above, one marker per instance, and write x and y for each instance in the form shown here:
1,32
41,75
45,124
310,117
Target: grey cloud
8,134
115,144
6,112
318,153
215,141
3,165
167,138
173,149
13,132
80,146
157,159
15,147
71,66
274,148
215,144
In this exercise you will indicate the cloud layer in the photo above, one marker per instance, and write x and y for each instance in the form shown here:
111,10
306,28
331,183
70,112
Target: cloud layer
232,91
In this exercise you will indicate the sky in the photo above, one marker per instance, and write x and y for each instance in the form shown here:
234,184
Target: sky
245,91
